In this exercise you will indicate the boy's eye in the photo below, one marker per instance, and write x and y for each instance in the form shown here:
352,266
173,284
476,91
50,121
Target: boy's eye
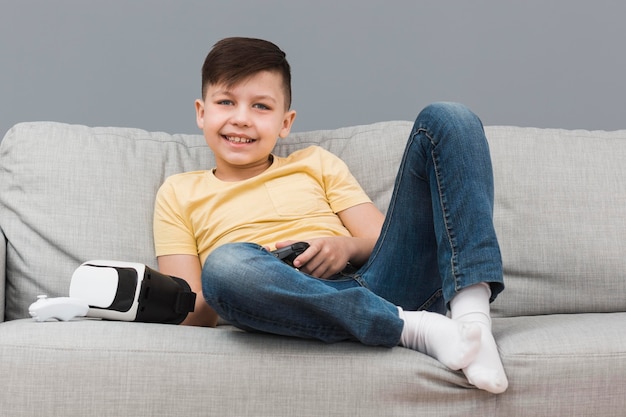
225,102
261,106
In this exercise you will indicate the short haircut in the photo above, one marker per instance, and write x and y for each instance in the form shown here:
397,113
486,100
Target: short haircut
232,60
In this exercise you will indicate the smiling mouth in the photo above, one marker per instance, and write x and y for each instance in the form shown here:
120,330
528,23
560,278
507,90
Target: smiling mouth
236,139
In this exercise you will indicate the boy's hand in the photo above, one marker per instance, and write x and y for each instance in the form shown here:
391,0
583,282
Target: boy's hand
325,256
329,255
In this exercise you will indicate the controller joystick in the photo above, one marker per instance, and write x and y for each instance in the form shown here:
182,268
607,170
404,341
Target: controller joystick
289,253
60,308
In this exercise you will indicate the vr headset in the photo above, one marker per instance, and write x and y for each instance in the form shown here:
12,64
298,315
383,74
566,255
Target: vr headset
129,291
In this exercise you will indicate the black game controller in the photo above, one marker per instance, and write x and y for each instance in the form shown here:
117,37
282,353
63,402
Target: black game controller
291,252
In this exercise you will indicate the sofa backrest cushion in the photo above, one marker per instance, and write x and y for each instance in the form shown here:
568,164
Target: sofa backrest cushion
3,251
69,194
72,193
560,215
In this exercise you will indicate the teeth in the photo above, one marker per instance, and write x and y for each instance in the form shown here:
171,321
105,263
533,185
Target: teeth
236,139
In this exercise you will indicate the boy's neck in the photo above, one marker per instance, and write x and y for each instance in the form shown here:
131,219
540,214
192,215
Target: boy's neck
241,174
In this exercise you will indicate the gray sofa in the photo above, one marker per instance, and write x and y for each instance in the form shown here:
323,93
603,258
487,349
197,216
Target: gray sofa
72,193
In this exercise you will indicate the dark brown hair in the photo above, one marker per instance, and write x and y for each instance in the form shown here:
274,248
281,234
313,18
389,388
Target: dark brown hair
232,60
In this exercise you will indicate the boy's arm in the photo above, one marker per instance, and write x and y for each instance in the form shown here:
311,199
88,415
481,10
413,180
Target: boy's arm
364,221
188,268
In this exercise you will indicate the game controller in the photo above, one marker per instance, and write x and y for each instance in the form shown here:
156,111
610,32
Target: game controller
289,253
60,308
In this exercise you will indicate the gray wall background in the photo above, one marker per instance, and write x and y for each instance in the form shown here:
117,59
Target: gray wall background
136,63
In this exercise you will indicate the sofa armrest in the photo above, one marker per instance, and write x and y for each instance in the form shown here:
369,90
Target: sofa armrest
3,265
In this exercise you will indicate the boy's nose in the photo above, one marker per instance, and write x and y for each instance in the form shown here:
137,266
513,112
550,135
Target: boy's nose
241,117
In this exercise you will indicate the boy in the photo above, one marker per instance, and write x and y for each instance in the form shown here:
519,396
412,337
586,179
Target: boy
214,228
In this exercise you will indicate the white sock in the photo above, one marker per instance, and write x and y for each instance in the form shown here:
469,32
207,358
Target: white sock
471,305
451,343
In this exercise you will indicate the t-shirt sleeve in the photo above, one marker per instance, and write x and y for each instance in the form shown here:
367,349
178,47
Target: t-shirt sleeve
342,189
173,233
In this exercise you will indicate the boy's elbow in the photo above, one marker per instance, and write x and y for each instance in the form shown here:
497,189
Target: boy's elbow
202,316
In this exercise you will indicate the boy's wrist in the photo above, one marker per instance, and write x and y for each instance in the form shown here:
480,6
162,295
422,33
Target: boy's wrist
362,249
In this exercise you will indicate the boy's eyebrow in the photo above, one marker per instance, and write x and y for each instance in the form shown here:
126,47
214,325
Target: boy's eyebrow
255,98
265,97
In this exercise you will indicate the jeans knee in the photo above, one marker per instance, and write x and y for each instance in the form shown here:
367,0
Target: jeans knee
448,111
448,120
225,265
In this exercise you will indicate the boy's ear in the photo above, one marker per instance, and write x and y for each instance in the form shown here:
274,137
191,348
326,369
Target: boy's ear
290,116
200,113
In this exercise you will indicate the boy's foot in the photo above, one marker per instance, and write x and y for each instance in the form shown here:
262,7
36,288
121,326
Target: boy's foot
471,306
452,343
486,371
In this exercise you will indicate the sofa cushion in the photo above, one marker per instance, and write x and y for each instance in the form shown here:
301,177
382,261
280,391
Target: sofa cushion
563,364
555,365
161,370
3,253
71,193
560,215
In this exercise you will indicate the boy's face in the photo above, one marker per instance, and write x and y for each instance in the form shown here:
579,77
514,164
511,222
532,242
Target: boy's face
241,124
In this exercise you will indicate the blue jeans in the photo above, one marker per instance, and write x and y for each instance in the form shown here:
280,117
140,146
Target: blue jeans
438,238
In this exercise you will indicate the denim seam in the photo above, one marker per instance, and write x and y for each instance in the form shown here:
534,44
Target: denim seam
431,300
444,208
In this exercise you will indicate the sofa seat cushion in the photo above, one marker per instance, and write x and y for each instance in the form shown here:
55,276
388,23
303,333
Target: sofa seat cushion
559,365
563,364
166,370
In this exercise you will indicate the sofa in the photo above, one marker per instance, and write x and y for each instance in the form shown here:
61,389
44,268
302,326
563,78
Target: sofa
71,193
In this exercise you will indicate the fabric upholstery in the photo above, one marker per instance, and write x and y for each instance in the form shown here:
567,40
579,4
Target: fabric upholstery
162,370
269,376
561,219
3,247
72,193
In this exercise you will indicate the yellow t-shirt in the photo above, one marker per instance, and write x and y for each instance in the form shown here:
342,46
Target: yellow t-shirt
296,198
